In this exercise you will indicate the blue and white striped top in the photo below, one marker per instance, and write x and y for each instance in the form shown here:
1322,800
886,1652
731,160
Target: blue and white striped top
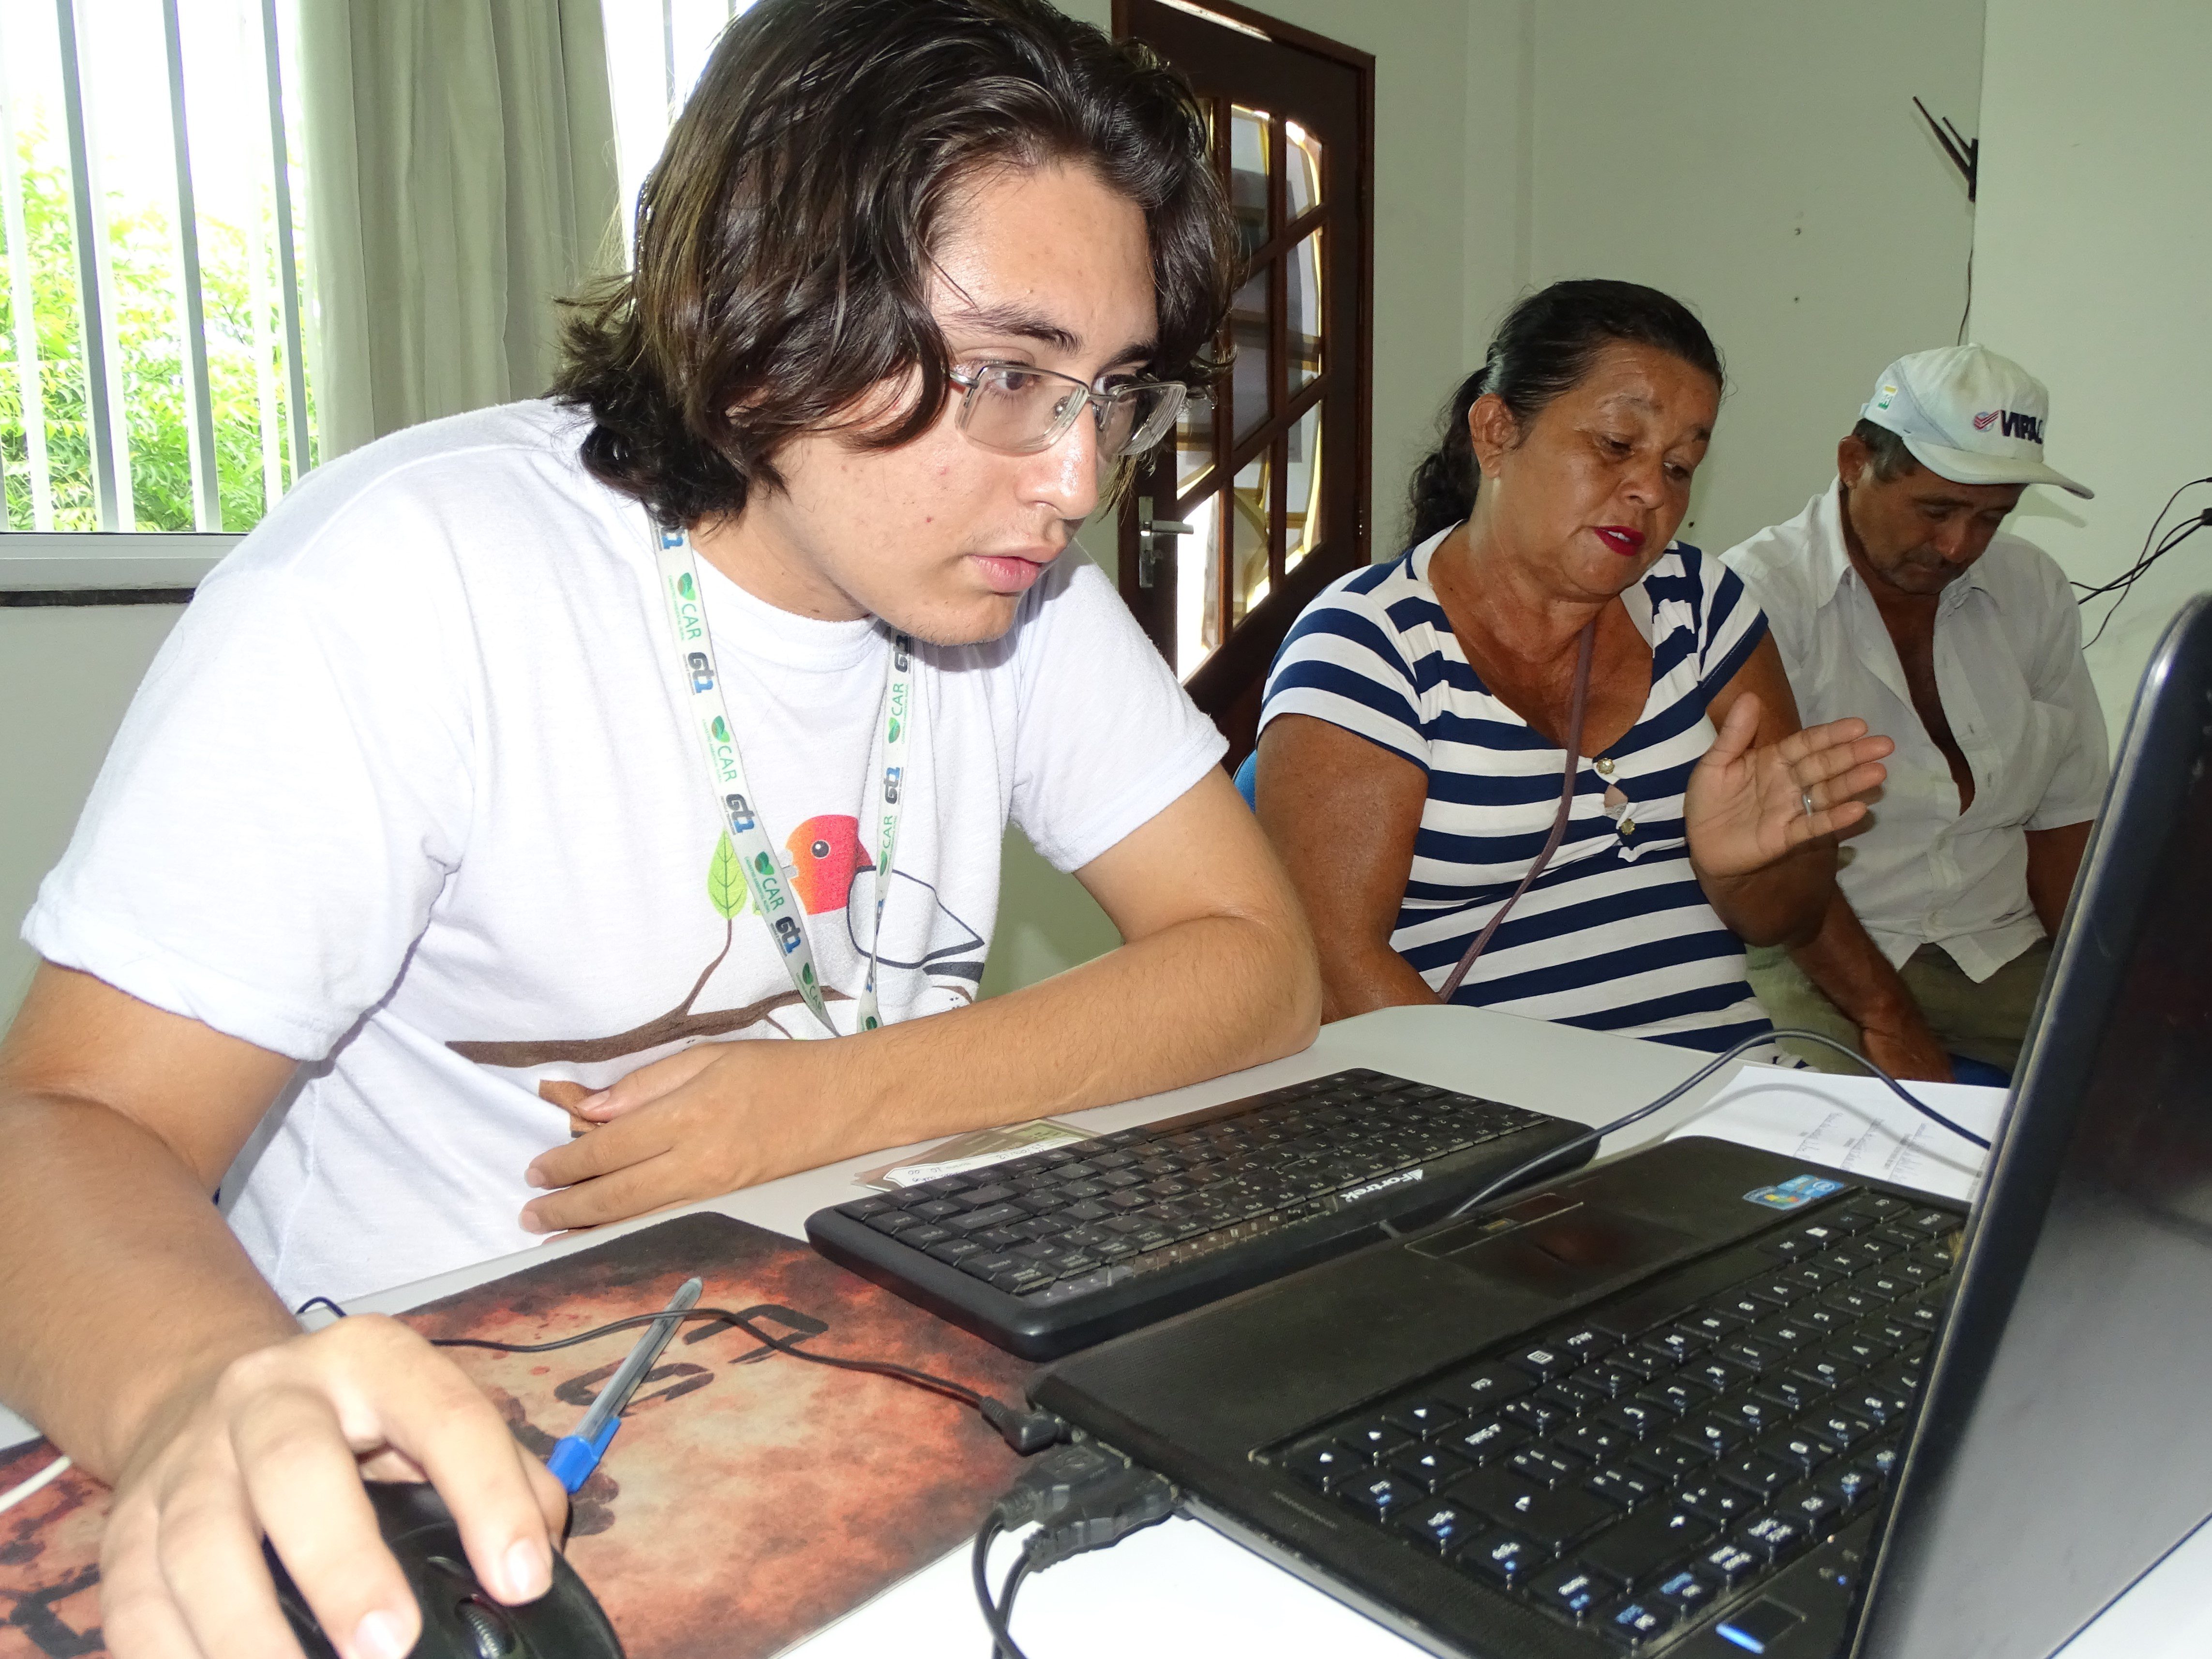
1616,935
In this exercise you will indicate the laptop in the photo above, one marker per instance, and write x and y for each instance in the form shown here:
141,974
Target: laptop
1705,1400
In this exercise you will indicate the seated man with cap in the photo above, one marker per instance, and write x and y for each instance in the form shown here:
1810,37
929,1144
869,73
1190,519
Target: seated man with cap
1894,597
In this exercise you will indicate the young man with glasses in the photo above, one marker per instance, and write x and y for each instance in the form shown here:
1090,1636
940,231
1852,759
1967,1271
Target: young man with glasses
522,760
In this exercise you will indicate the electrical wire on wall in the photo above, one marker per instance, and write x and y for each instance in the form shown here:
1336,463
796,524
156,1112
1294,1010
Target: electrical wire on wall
2123,584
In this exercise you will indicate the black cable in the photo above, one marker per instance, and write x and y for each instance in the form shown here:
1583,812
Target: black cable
2151,536
2126,583
1004,1645
1025,1432
1016,1575
1515,1175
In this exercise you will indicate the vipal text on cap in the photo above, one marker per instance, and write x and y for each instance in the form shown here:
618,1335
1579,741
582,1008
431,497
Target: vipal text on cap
1970,415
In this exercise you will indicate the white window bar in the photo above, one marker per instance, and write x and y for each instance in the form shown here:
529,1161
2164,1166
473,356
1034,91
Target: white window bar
23,316
288,267
200,430
103,379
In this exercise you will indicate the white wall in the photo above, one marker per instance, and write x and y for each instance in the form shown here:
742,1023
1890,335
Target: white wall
66,676
2093,265
1764,163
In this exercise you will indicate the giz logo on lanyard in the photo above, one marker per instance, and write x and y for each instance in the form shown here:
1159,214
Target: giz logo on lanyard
725,776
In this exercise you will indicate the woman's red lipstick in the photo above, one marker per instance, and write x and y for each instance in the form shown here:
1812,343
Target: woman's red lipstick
1621,539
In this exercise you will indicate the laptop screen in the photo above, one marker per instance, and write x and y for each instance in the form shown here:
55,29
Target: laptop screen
2065,1443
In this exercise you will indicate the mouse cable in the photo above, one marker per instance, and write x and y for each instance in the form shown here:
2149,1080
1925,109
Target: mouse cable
46,1477
1025,1432
1081,1496
1522,1172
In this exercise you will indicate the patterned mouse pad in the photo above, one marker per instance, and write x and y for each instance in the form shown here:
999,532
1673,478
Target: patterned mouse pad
749,1499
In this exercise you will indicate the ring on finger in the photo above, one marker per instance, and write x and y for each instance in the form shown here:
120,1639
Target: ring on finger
1806,796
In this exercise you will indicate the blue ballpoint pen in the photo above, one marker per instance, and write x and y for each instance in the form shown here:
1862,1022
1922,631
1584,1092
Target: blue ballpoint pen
578,1454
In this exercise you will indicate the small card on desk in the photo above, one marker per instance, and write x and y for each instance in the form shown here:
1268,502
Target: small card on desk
749,1499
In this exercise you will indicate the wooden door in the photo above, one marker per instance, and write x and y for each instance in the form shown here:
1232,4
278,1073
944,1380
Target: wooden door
1265,487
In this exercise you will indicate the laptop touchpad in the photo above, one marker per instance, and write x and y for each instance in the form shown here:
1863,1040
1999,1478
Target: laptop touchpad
1569,1255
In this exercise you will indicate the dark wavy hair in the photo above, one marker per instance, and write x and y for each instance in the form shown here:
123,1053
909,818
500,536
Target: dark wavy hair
782,261
1547,344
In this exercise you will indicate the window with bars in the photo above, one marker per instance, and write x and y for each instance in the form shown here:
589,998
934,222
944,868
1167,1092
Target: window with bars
153,362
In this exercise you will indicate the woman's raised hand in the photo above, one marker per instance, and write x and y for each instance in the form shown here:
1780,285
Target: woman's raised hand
1747,806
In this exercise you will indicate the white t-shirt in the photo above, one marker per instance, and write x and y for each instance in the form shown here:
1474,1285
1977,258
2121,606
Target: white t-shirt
410,795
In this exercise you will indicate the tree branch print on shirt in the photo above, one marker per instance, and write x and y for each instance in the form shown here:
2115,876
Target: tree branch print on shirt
829,870
728,891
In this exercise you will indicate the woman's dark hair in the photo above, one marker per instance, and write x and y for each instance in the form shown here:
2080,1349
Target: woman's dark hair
1547,344
782,263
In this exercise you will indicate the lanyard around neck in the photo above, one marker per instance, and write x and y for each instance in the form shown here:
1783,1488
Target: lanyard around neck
773,898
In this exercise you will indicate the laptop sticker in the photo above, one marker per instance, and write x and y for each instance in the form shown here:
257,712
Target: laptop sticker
1793,1193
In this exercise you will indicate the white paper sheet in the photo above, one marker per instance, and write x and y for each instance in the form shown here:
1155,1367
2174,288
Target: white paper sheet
1855,1124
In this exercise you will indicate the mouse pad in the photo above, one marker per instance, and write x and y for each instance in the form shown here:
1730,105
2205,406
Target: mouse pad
749,1499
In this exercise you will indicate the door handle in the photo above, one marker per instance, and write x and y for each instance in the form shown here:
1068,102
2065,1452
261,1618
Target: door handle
1150,534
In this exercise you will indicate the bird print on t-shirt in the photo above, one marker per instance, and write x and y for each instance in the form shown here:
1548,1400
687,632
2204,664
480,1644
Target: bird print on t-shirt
830,870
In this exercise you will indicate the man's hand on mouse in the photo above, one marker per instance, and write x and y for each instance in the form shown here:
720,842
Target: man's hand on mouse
278,1442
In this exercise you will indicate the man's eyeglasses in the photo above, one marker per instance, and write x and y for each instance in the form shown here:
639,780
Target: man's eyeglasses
1017,410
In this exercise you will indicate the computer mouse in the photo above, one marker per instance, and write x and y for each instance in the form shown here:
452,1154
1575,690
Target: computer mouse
460,1620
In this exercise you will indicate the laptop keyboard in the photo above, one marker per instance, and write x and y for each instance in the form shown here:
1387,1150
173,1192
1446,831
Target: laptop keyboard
1638,1468
1054,1225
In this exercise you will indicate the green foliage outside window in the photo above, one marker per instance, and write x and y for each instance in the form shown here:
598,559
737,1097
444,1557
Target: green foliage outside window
147,329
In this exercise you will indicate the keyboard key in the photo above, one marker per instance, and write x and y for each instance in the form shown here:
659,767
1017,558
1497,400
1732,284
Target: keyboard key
1851,1486
1583,1343
1610,1380
1596,1443
1536,1415
1624,1487
1632,1624
1785,1330
1573,1590
1811,1505
1717,1501
1378,1493
1543,1362
1713,1435
1715,1322
1440,1523
1752,1354
1730,1563
1774,1538
986,1266
1678,1343
1718,1375
1423,1417
1800,1450
1790,1392
863,1209
1503,1556
1679,1395
1635,1551
1753,1412
1670,1459
892,1222
1432,1467
1374,1437
1840,1429
1485,1442
956,1250
1555,1518
1781,1291
1489,1387
1321,1464
991,1215
1687,1591
1934,1223
1642,1362
1757,1473
1639,1420
1547,1467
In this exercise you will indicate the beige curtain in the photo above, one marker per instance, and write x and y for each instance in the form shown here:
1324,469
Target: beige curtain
461,165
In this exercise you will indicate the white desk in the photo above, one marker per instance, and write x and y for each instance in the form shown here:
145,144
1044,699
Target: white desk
1181,1588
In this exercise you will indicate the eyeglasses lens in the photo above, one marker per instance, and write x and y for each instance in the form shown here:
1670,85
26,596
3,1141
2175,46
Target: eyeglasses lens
1024,411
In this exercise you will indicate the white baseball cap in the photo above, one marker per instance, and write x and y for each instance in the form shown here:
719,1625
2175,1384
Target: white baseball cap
1969,416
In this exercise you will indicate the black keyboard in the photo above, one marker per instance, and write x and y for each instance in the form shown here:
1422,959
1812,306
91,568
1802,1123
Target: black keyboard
1648,1464
1056,1249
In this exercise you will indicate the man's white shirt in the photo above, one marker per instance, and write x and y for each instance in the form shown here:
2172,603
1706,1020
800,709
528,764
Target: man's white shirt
2008,653
411,795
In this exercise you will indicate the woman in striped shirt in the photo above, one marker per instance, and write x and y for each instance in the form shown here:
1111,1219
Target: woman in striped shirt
1412,763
